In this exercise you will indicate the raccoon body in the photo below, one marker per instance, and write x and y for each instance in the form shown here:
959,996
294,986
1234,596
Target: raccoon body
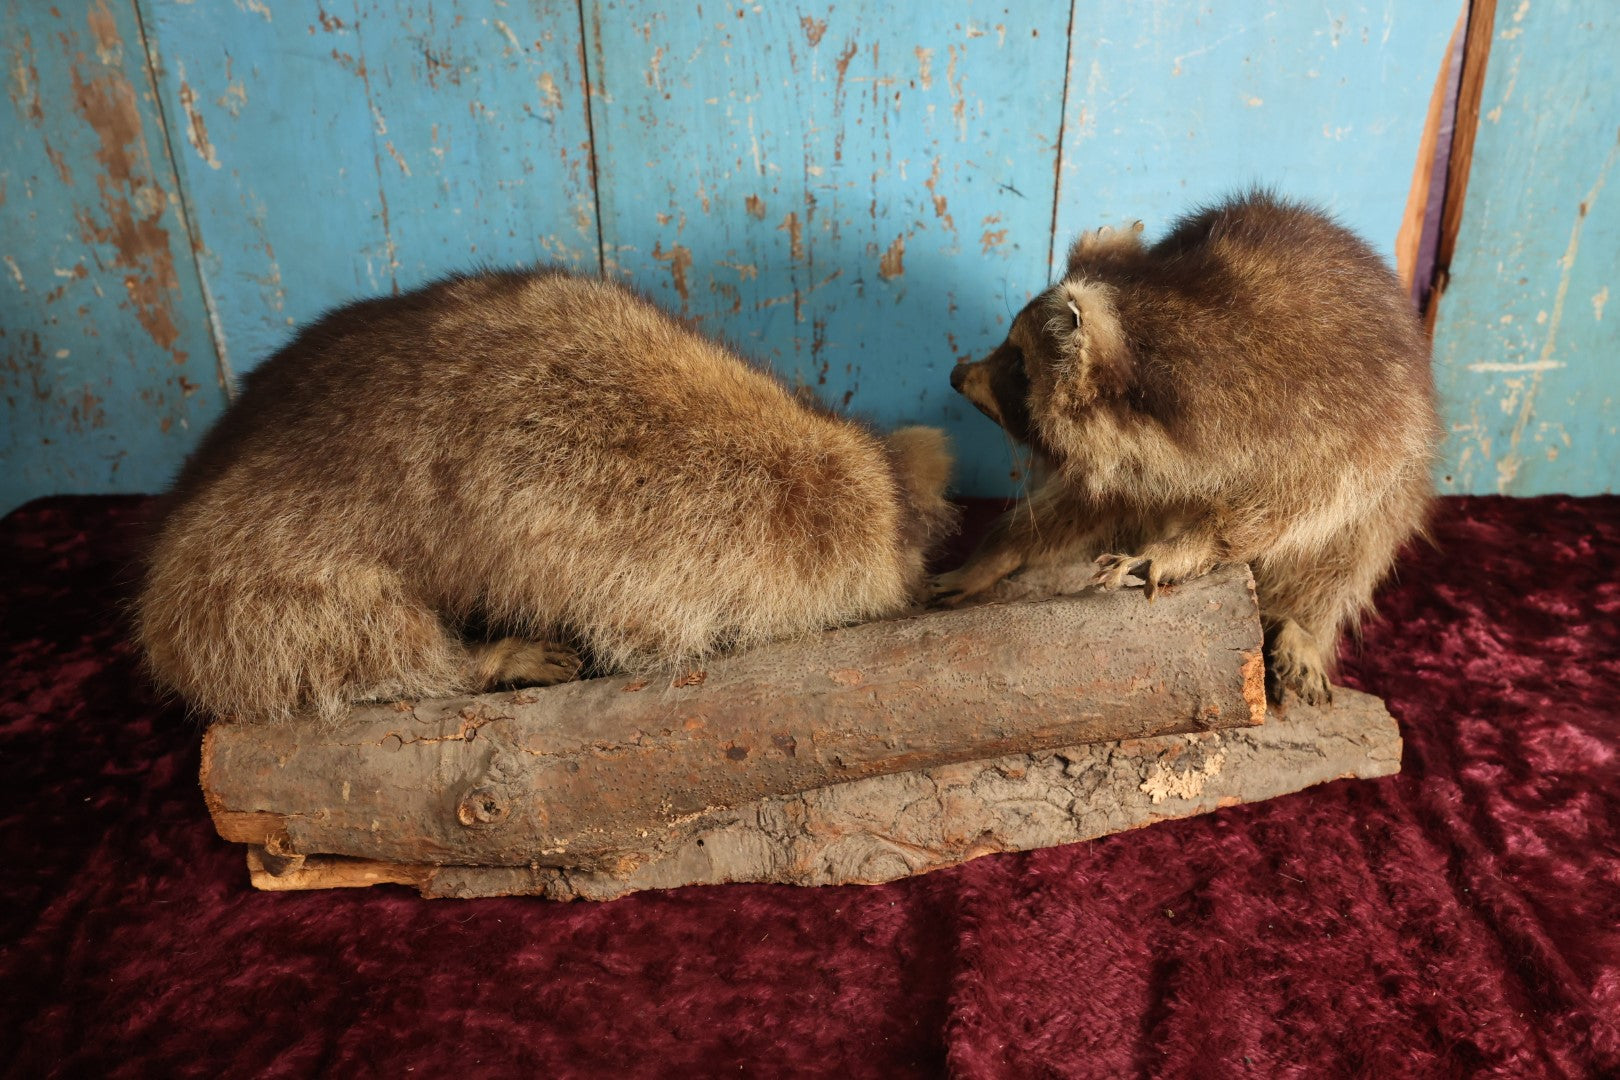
1255,387
546,456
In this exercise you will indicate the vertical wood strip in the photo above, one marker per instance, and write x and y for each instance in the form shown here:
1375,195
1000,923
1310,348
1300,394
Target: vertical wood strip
590,135
222,364
1409,241
1053,270
1476,57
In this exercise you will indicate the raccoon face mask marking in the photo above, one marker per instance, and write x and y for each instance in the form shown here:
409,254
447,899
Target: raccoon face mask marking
998,386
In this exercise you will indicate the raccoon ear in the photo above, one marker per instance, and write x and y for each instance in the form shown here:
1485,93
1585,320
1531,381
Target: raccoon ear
1104,243
1093,351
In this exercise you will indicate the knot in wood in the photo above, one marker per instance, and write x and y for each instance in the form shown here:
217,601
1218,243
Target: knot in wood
482,806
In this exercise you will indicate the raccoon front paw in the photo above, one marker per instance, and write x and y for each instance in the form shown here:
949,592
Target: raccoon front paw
522,662
1112,570
1294,663
960,585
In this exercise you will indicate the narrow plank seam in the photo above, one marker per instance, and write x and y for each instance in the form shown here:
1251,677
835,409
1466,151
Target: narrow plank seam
182,196
590,136
1471,89
1057,166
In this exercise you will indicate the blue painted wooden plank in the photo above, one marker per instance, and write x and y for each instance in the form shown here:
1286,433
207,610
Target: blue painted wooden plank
1173,104
1527,349
106,366
334,150
857,195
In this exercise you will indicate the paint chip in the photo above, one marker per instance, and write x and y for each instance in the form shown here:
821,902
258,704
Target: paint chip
893,263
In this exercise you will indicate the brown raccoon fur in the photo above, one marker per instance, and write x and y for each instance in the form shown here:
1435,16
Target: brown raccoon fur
542,454
1255,387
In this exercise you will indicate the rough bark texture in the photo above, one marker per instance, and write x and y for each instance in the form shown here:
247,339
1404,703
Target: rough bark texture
889,827
608,775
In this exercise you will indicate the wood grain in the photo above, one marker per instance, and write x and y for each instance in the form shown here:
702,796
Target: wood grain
608,772
890,827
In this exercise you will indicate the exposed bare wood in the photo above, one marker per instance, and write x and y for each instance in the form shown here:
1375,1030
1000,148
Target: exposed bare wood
1409,240
608,774
1470,90
889,827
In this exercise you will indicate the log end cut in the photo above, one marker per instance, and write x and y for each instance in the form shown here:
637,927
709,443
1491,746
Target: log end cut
594,775
888,827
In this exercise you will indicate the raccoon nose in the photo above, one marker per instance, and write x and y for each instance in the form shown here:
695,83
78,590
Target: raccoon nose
959,376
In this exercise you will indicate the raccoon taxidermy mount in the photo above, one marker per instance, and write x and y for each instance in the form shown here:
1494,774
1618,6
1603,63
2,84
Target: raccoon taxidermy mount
1255,387
542,454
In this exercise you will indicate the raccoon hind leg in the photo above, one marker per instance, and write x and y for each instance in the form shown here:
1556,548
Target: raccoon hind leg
1054,525
1307,600
1296,660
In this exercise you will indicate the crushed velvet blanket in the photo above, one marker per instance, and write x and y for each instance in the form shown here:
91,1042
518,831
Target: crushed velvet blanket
1460,919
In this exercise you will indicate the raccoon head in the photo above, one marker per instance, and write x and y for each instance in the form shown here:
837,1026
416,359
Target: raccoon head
1065,353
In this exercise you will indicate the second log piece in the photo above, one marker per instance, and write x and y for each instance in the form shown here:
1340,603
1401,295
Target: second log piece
889,827
606,773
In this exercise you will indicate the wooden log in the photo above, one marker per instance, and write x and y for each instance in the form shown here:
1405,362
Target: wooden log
889,827
609,774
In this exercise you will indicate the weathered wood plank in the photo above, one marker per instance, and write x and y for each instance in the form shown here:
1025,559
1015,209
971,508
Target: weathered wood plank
331,151
106,366
1525,350
1172,104
853,194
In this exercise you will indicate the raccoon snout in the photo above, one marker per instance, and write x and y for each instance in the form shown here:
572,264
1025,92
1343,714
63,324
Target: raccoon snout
973,381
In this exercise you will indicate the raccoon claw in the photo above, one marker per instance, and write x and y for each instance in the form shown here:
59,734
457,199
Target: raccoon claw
947,590
1112,570
1294,663
964,583
1308,684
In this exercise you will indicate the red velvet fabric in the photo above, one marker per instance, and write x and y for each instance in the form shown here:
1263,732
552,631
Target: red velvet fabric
1460,919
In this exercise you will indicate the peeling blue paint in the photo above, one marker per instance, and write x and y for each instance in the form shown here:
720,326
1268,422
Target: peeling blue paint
855,195
1527,350
107,373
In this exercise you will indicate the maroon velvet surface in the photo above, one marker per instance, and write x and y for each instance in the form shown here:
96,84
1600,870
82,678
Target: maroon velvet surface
1460,919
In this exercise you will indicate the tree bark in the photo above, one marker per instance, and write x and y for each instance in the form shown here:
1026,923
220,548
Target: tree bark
890,827
608,775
